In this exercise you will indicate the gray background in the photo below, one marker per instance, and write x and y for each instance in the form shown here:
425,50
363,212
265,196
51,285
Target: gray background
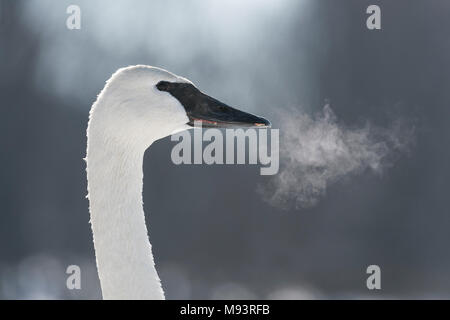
212,233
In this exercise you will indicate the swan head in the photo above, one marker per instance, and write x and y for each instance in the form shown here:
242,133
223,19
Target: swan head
143,104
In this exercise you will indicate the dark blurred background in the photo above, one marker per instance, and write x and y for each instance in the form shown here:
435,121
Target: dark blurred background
261,55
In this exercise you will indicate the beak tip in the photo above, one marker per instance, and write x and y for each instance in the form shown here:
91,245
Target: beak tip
263,123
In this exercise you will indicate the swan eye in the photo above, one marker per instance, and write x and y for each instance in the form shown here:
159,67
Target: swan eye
163,86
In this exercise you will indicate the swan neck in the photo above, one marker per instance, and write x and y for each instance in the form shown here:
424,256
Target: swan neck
123,252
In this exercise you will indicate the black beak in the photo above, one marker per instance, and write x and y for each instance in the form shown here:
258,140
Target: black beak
209,112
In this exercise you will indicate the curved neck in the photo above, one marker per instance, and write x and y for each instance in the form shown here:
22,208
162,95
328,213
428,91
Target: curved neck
123,252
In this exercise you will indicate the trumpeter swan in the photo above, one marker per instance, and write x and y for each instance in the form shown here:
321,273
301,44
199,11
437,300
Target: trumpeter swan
137,106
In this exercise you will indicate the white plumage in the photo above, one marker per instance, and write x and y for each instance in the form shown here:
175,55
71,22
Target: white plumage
128,116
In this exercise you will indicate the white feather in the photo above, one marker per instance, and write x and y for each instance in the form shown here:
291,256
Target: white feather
129,115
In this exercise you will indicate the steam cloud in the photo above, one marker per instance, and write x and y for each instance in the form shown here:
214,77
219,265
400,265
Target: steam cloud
317,151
